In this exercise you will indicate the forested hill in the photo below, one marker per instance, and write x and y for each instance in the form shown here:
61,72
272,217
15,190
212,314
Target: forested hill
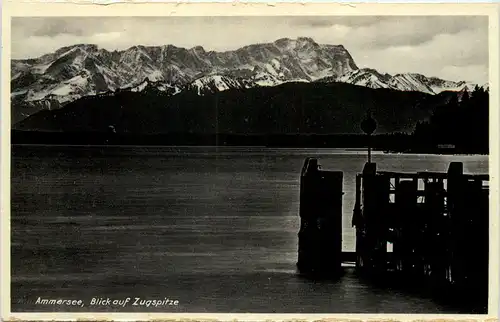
462,123
290,108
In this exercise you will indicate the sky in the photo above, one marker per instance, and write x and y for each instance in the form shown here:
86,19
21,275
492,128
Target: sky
449,47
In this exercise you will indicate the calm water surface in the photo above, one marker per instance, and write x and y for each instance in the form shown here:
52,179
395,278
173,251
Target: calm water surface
214,228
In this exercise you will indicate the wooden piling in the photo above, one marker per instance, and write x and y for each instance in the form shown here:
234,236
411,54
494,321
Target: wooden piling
406,207
375,214
436,234
320,235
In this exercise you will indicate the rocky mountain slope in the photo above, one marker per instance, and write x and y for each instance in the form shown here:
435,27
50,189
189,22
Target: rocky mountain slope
53,80
404,82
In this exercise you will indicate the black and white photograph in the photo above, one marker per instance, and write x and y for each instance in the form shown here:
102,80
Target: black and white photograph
331,164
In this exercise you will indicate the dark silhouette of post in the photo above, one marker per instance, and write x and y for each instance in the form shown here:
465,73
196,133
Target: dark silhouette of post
368,126
320,234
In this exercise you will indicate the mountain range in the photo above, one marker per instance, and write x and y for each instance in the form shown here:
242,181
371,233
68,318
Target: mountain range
53,80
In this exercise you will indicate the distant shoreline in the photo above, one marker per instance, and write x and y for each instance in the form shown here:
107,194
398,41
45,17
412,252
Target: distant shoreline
193,146
360,150
387,143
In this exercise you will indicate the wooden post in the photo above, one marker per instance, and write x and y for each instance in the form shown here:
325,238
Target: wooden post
367,241
320,235
369,148
307,233
483,243
436,234
375,204
358,222
406,201
455,199
329,206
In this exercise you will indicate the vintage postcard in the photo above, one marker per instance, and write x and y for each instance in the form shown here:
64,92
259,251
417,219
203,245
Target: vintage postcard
249,162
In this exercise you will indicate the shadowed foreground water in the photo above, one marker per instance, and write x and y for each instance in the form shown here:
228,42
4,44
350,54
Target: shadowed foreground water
214,228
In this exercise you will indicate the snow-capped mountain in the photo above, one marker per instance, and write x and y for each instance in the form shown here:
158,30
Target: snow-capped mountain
95,70
52,80
404,82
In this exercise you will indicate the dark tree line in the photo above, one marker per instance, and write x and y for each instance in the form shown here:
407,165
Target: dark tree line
463,122
288,109
293,114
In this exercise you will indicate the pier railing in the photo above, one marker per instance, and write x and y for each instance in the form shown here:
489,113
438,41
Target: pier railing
436,223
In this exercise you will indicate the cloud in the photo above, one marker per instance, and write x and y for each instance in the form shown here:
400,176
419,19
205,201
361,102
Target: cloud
349,21
407,31
440,45
463,56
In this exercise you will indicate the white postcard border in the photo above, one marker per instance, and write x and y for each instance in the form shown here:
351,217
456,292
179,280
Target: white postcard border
12,9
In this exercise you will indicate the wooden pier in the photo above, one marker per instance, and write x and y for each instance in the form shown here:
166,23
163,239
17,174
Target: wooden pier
436,223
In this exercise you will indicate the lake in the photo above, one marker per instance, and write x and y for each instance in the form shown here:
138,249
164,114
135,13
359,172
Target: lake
214,228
